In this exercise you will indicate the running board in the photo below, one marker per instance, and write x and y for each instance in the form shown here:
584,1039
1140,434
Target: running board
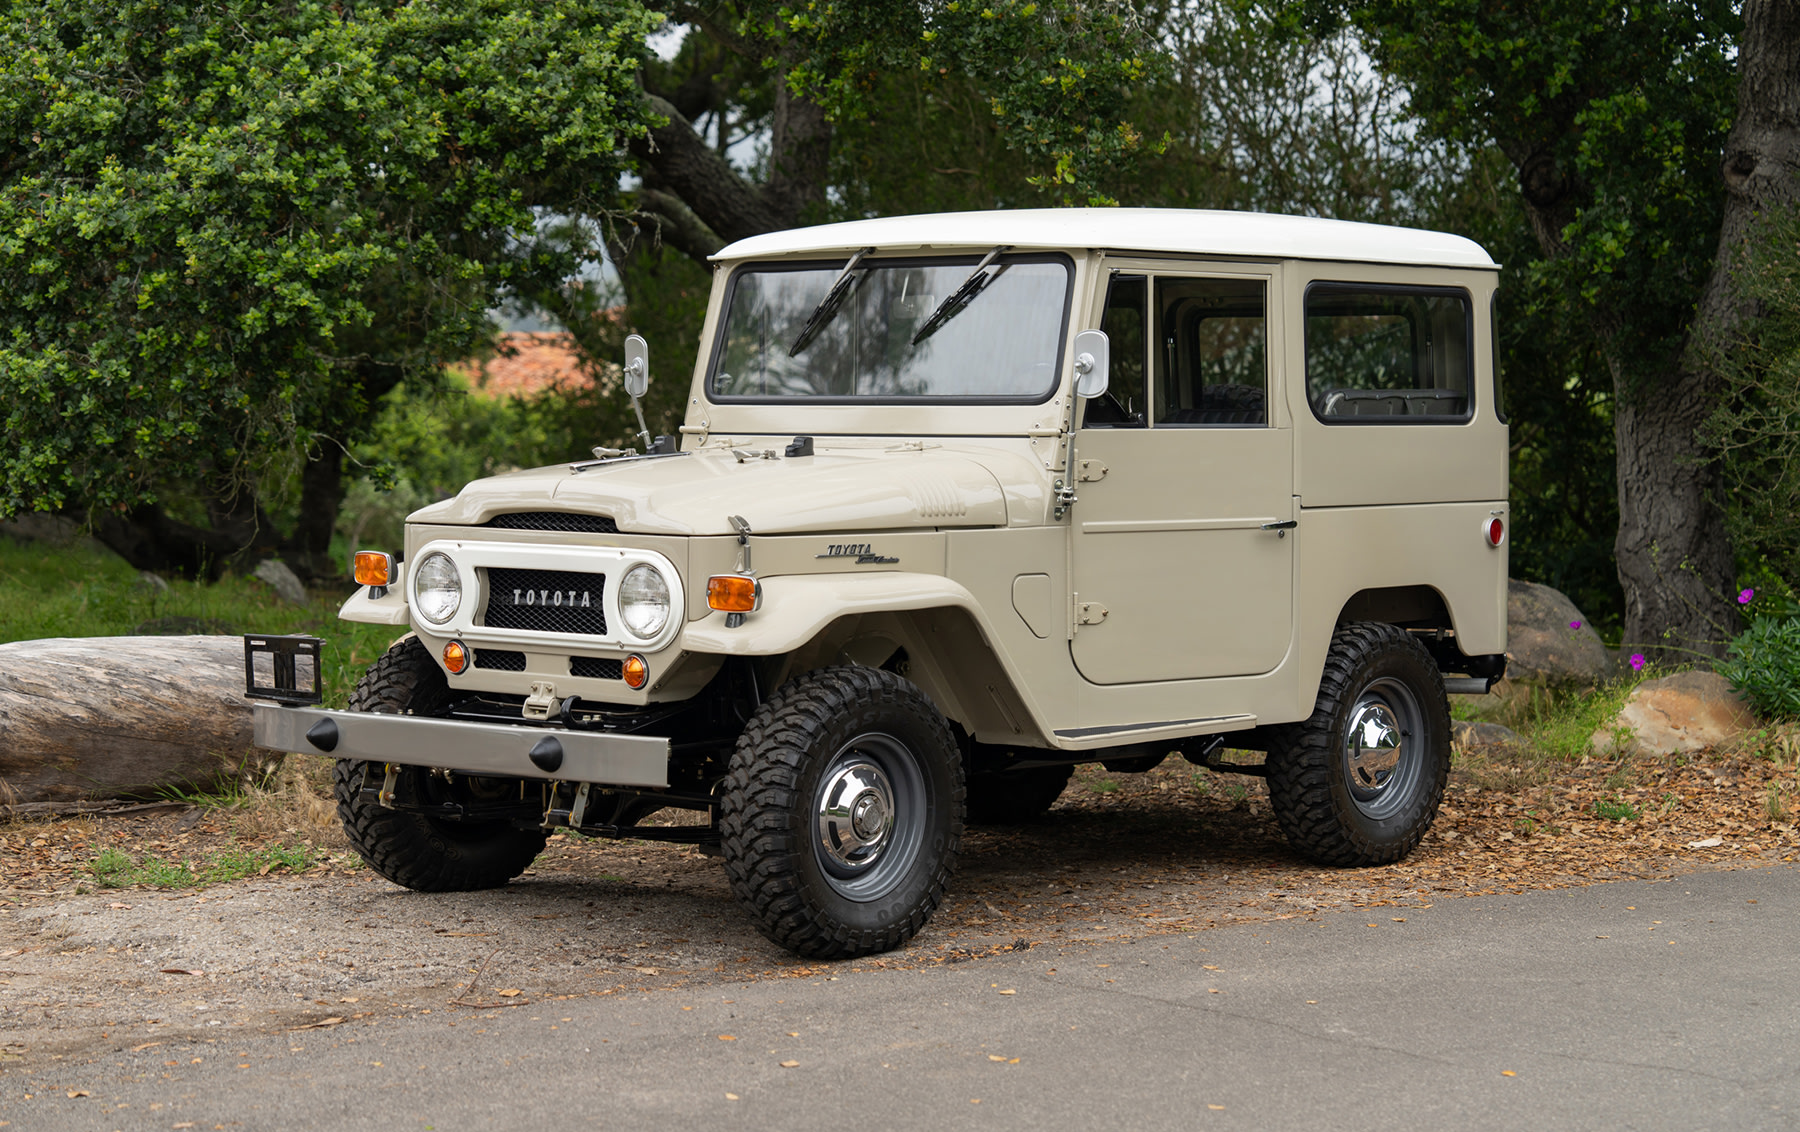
1093,738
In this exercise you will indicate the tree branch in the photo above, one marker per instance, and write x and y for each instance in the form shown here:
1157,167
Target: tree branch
681,162
666,219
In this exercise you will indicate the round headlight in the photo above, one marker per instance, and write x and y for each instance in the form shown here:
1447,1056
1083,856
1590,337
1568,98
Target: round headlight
437,588
644,601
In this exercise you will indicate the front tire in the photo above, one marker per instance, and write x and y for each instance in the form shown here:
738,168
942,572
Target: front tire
1359,781
415,850
842,815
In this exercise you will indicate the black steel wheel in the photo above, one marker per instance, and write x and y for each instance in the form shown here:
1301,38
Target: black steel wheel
1014,797
842,815
416,850
1359,781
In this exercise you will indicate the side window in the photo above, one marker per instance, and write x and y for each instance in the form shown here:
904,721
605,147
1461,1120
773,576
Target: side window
1122,405
1387,354
1211,363
1494,347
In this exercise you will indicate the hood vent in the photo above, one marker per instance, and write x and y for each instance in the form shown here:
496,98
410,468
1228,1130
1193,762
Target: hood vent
555,521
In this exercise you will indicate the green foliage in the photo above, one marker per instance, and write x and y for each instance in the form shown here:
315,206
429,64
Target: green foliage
1763,664
426,444
1757,430
1559,401
225,226
1058,75
1263,116
1615,809
1615,115
85,591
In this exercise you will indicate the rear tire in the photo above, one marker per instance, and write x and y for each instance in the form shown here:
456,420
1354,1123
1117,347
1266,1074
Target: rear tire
1359,782
842,814
414,850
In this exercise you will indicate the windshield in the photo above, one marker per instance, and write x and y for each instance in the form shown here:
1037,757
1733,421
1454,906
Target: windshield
1001,344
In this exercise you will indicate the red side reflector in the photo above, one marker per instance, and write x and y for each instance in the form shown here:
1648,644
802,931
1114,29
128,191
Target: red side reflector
1495,528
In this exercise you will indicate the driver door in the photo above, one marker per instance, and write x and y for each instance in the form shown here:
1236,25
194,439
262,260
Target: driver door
1181,564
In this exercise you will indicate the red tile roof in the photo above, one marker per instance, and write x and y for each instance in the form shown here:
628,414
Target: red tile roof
527,363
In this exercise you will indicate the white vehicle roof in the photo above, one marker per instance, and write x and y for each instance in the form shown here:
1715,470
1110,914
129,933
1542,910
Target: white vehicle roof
1182,231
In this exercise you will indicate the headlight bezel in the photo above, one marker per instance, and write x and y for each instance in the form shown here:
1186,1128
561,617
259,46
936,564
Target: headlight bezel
428,573
628,604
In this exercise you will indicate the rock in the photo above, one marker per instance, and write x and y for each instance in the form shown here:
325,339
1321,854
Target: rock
1469,733
1549,641
286,583
1685,712
108,717
53,530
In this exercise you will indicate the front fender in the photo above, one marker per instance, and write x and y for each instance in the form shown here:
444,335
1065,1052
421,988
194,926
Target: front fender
796,608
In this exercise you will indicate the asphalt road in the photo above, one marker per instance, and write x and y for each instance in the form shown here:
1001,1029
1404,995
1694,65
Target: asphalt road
1668,1004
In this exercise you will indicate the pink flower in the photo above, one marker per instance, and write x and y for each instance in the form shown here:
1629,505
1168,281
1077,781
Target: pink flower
1574,624
1637,662
1744,596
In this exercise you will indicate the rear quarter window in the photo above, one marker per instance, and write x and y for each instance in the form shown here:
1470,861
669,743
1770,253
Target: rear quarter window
1388,355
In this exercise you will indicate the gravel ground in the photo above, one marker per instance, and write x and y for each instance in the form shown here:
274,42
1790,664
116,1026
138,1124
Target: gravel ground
86,969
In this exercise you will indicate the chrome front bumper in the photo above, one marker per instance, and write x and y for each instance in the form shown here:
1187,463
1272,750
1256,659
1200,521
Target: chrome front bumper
467,748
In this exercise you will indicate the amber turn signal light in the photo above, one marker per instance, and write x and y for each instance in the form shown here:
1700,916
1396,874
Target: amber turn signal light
374,568
637,673
456,658
733,593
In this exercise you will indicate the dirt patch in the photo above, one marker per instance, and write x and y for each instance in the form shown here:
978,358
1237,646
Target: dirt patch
325,943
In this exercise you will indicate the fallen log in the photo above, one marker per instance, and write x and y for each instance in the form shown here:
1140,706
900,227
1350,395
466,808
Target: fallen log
85,718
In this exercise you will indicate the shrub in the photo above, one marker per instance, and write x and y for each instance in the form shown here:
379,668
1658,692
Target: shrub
1763,664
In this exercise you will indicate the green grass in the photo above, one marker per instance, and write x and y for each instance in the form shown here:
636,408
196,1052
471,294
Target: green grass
116,869
82,591
1615,810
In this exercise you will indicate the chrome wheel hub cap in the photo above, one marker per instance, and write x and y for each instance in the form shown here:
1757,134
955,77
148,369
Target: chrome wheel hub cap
1373,741
856,814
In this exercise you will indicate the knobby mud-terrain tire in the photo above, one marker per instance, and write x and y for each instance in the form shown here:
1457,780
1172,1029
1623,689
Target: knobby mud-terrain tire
1359,782
420,852
842,815
1014,797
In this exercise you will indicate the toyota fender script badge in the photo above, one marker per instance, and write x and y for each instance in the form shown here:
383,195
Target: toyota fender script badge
863,552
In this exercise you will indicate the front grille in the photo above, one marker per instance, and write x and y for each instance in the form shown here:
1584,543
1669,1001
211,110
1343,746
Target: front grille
555,521
596,668
545,601
505,660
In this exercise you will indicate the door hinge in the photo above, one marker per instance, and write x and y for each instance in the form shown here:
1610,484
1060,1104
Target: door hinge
1089,613
1089,471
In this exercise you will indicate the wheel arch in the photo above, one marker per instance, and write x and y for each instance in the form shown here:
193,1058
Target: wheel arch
928,628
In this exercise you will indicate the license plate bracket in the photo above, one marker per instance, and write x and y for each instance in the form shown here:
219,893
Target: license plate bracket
283,668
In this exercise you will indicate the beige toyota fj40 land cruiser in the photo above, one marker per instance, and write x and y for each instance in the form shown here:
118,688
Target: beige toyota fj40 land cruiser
960,501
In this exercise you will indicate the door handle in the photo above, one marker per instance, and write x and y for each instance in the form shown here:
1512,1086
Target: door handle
1286,526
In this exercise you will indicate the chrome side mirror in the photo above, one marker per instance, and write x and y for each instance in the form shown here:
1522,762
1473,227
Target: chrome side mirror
637,365
1093,358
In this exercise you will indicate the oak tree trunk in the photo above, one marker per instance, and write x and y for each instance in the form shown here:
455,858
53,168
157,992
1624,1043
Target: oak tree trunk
1675,560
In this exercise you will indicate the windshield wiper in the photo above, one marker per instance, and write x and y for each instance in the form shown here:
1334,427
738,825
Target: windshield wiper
961,297
828,306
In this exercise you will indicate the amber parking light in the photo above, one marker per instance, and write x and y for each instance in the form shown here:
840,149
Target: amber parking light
733,593
374,568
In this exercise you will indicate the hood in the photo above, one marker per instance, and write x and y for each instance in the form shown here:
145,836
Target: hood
696,493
